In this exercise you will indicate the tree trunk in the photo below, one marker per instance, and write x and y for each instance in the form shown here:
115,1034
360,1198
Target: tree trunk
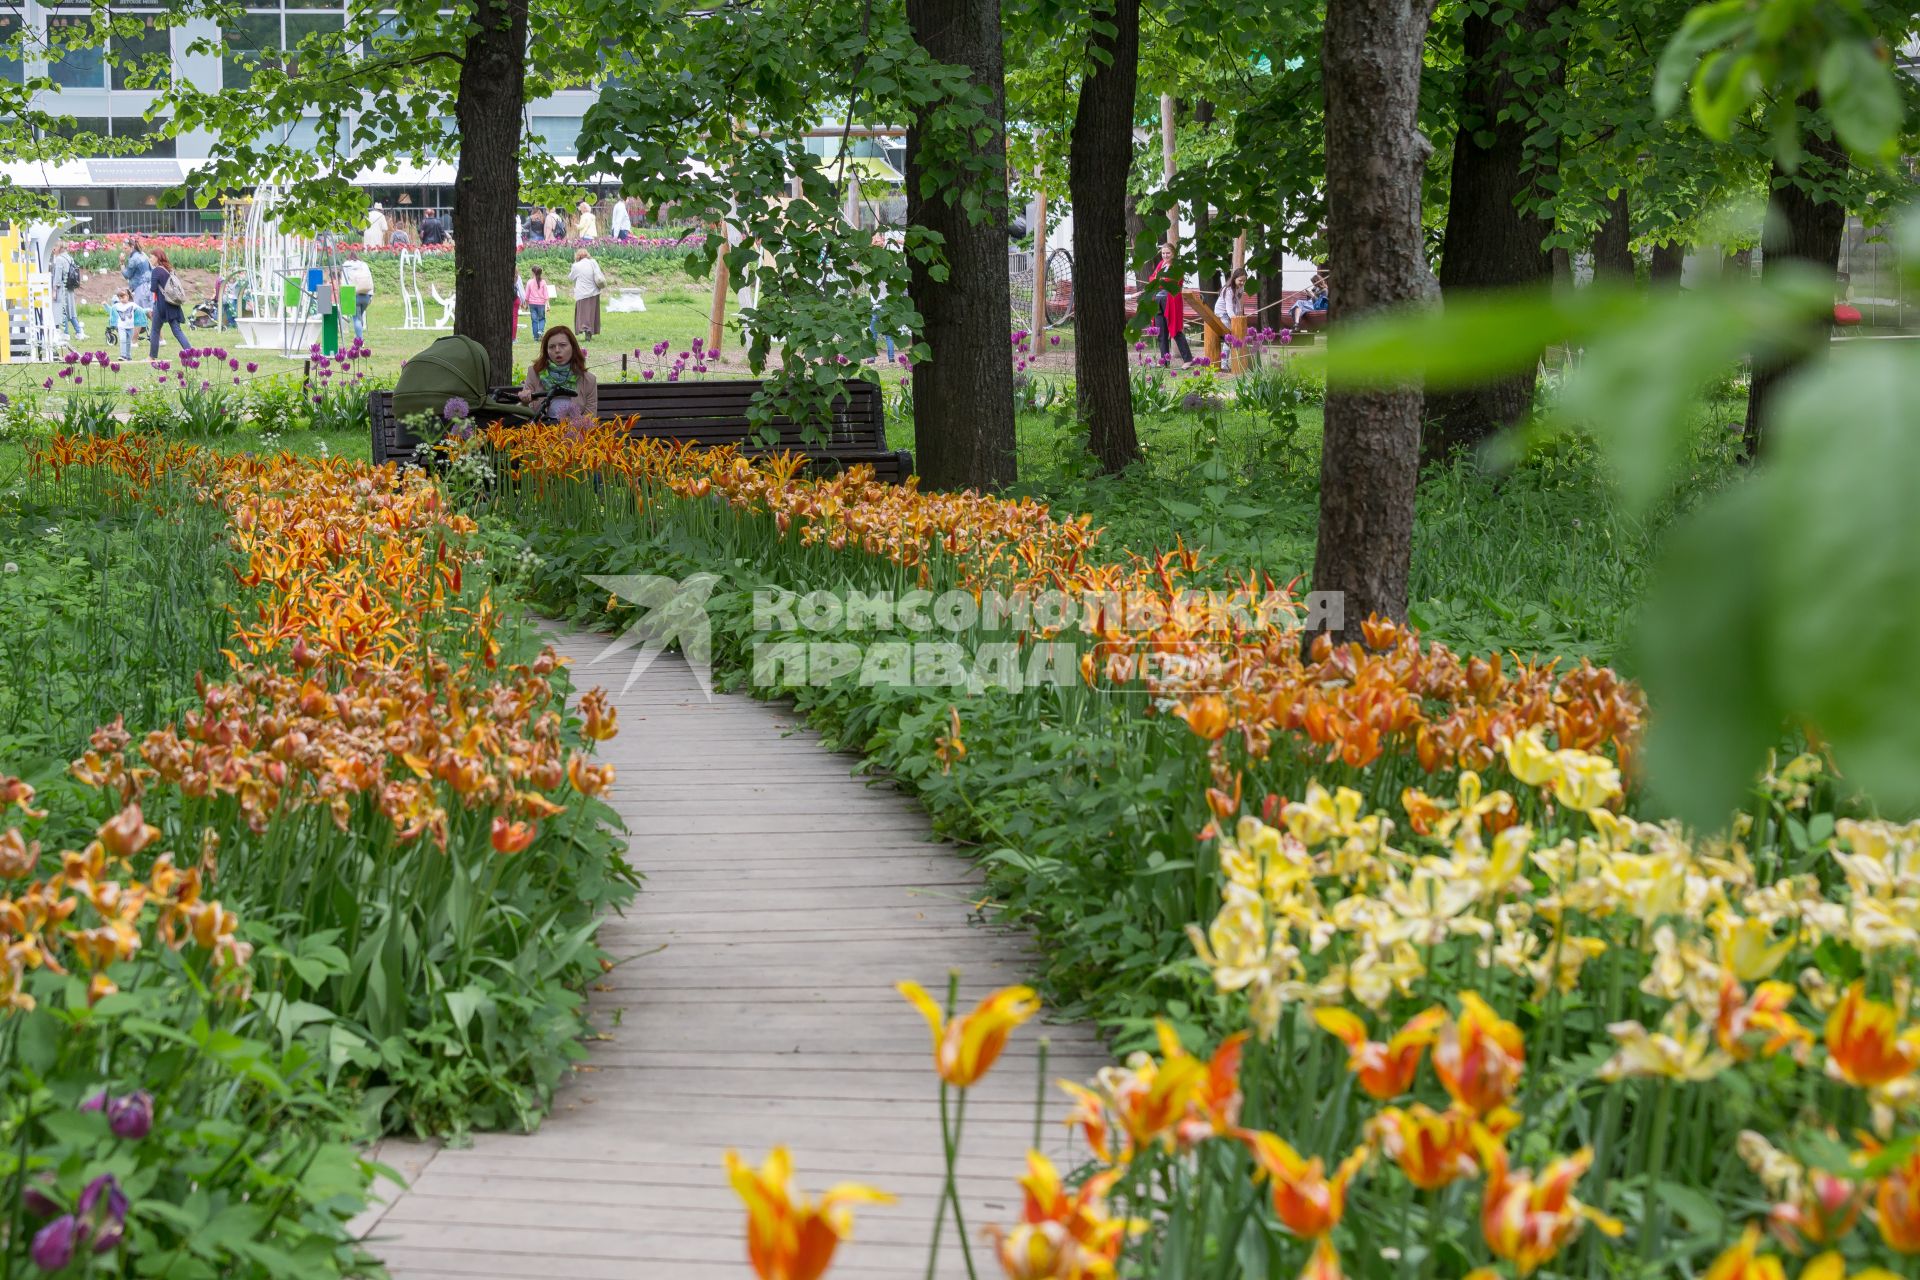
1560,267
1490,241
1738,265
1612,244
1663,267
486,186
1136,228
1097,165
1370,56
1802,231
963,396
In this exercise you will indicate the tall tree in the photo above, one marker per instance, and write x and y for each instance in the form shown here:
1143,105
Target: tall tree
1097,179
1613,245
963,396
489,103
1370,460
1805,224
403,81
1495,235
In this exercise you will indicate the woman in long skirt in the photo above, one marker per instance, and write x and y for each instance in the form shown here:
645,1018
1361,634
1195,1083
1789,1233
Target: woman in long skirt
588,280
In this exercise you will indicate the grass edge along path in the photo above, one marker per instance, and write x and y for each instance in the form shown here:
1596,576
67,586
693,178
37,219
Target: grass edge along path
371,793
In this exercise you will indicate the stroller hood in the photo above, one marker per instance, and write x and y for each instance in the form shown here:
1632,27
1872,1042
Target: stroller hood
455,365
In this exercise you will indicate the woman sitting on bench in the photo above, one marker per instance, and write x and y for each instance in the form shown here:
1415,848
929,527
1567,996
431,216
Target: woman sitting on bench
559,374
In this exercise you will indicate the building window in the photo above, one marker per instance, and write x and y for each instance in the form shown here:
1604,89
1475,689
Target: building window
302,25
143,61
11,67
558,135
147,130
80,66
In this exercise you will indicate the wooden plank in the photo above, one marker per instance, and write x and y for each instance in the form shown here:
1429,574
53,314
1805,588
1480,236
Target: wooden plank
784,896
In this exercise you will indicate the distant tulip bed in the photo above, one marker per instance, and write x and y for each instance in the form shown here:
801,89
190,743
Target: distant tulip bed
328,861
1419,986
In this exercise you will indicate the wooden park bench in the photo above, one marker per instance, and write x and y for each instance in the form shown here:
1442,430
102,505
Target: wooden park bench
712,414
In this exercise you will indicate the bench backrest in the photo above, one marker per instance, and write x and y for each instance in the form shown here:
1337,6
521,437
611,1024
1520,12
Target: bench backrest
715,413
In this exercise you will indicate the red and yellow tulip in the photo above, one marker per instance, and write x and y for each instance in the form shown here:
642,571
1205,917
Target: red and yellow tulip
1433,1148
965,1048
1479,1057
1528,1220
1307,1201
1384,1070
789,1238
1865,1046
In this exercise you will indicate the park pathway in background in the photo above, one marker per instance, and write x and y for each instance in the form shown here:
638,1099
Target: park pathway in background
784,897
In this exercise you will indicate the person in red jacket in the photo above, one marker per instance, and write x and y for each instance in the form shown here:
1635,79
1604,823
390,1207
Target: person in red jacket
1173,307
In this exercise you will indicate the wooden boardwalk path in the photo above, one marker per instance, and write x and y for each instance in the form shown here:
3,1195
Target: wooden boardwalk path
784,898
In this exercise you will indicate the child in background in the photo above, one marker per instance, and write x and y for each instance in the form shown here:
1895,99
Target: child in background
124,315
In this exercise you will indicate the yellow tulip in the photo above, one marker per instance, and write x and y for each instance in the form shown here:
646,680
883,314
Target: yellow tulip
1529,760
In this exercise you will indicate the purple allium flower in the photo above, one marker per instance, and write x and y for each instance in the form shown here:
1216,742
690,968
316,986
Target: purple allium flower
47,384
456,408
646,375
841,359
86,357
133,391
252,367
72,357
115,366
54,1243
698,343
131,1116
1140,346
1286,337
1054,340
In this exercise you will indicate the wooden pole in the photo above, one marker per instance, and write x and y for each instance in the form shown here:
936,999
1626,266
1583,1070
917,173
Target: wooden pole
1039,325
719,315
1167,133
1238,320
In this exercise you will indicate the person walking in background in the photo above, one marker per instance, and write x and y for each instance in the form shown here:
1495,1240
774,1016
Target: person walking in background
66,292
561,370
537,225
356,275
620,220
138,273
1173,307
376,227
169,305
588,280
538,294
123,317
589,226
432,229
556,224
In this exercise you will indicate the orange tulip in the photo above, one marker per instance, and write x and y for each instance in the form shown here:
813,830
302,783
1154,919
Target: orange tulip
512,837
1307,1202
588,779
789,1238
1479,1057
1062,1235
1896,1205
1384,1070
1865,1046
1528,1221
965,1048
1433,1148
1215,1106
1742,1020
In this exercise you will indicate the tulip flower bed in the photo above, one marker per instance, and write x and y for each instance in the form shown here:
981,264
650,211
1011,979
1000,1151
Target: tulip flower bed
1466,1006
346,878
